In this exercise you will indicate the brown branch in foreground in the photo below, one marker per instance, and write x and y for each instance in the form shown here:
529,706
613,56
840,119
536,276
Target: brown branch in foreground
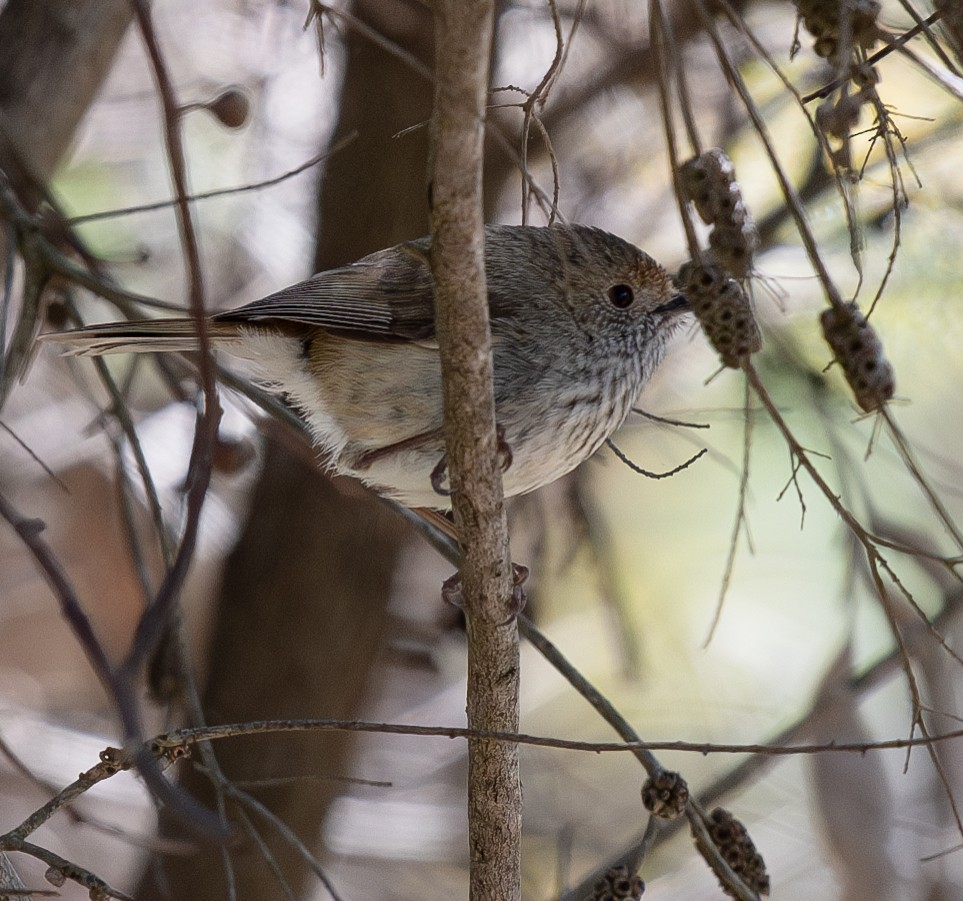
788,743
177,744
463,41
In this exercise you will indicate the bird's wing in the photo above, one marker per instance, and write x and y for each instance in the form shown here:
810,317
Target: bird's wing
387,295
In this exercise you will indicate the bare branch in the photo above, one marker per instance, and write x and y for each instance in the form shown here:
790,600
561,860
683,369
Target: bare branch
463,40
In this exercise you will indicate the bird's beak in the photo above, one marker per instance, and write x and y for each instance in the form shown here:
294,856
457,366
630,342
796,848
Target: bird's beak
678,304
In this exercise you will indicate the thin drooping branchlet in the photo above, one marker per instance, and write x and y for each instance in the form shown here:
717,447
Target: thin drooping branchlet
838,114
844,32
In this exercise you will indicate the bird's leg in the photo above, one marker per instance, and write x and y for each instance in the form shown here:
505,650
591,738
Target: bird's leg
451,589
438,476
503,448
519,598
363,461
440,472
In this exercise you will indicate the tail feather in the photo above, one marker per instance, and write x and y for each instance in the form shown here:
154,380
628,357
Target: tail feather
144,336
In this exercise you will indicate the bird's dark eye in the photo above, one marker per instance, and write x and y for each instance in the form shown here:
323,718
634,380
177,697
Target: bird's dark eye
621,296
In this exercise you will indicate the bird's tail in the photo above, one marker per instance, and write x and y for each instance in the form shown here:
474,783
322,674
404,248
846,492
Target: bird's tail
143,336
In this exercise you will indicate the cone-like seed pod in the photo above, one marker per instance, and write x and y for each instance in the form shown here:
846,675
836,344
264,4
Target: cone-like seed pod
824,20
738,850
732,245
723,310
709,181
665,796
618,884
859,351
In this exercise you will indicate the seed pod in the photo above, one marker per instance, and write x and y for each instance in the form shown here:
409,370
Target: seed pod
723,310
732,246
825,46
709,181
231,107
865,76
823,19
838,117
859,351
618,884
706,181
665,796
738,850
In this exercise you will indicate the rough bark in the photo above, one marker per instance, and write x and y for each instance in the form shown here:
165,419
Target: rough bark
463,37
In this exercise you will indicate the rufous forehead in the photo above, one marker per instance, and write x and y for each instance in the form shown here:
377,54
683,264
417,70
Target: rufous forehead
652,276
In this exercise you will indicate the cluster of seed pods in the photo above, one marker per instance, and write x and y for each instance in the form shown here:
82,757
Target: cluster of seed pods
839,26
713,286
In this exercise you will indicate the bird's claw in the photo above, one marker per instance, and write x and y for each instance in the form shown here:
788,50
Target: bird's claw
440,473
452,591
438,476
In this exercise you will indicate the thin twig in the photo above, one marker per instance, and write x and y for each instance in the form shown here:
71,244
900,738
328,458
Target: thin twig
190,736
96,886
30,532
895,44
218,192
740,519
611,445
906,454
286,833
659,38
536,97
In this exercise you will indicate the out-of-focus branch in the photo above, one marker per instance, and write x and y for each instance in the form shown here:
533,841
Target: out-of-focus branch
154,621
463,39
301,609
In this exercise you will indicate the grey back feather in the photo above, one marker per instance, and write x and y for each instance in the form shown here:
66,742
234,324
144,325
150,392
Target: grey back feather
386,295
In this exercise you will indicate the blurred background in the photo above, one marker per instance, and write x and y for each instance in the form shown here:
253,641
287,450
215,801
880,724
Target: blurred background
728,604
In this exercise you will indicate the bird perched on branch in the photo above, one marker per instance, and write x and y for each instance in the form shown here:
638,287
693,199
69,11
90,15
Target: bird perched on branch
579,321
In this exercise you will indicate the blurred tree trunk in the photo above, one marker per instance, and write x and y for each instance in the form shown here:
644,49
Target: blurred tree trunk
53,58
301,607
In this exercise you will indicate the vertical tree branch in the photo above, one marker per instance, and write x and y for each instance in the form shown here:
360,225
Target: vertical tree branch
463,38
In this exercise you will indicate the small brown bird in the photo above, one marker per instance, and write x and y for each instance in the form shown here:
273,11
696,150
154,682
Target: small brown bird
579,321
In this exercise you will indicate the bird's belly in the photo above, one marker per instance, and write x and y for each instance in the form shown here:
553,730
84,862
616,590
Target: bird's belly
375,410
542,442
